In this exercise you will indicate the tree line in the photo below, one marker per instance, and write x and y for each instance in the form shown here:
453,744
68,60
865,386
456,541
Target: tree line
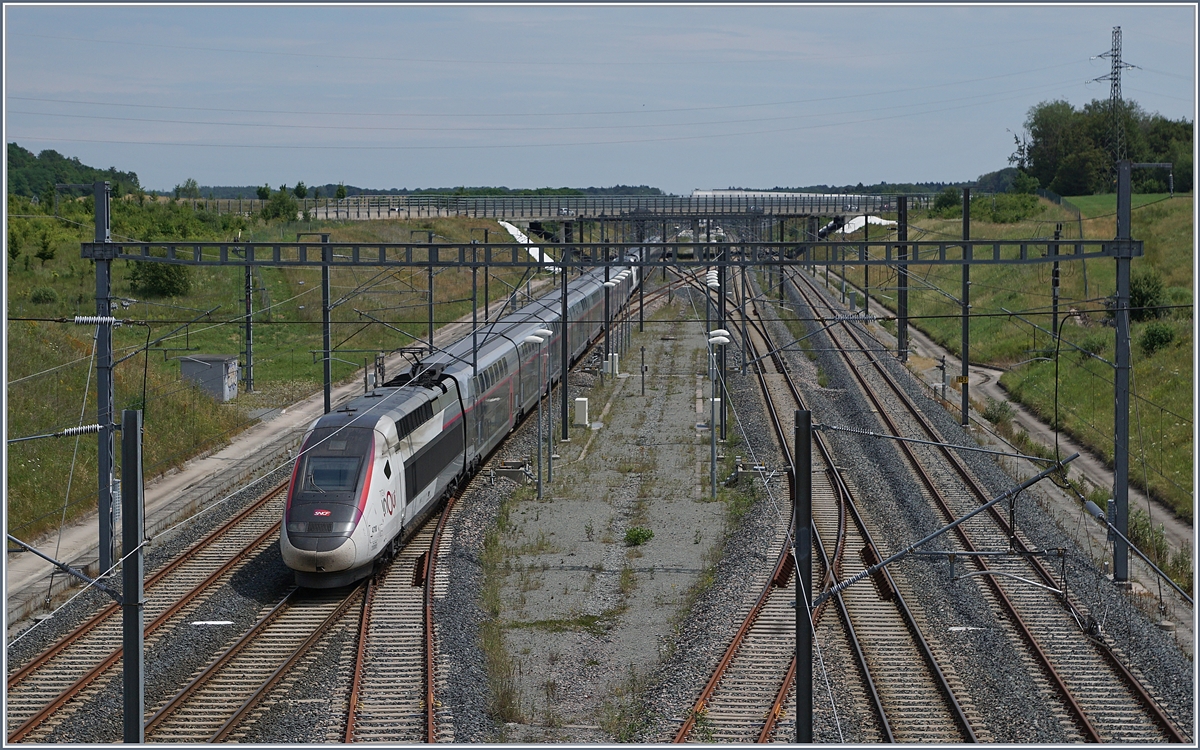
1073,151
34,176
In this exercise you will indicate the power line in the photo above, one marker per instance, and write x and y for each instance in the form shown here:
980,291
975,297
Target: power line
387,147
439,129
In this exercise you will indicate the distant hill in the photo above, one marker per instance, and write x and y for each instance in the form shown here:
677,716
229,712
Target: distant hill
30,175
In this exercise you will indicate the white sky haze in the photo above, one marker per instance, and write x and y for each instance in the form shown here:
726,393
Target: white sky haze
679,97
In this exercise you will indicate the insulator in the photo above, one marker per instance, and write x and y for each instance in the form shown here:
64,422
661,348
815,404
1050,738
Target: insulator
81,430
95,320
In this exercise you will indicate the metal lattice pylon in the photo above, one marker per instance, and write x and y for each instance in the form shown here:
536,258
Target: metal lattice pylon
1116,122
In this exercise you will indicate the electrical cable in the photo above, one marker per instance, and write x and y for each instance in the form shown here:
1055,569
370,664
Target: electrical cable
474,147
535,128
640,111
82,591
71,473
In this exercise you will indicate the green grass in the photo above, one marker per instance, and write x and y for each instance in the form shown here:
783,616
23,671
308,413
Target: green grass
1096,205
48,362
1161,446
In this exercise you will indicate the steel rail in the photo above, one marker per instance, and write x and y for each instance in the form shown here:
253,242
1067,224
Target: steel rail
92,675
359,660
95,672
774,711
174,703
960,469
847,501
301,650
430,644
939,498
709,687
112,608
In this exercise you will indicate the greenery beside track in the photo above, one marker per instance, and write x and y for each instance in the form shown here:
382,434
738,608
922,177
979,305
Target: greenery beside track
51,373
1161,427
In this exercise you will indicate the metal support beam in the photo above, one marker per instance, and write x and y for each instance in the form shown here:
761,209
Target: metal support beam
300,254
966,309
132,573
604,364
1054,280
724,392
474,320
566,348
249,325
104,381
802,499
487,272
327,258
902,279
1121,395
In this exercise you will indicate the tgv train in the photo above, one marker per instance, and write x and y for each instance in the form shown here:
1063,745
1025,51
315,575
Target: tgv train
370,472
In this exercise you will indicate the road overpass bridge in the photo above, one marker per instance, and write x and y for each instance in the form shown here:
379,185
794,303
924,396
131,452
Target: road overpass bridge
717,205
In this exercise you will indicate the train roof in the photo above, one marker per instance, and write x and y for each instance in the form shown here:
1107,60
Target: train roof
366,410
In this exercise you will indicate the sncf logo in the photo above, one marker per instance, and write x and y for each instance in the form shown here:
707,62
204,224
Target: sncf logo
320,512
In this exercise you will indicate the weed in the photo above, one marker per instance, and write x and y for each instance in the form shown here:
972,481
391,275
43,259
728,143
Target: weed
637,535
702,727
628,580
505,698
540,545
998,411
588,530
623,716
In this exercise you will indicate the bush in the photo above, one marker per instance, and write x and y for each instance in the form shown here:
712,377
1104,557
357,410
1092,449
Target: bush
948,198
1094,344
46,250
281,206
43,295
1146,294
160,279
1024,183
1155,337
638,535
998,412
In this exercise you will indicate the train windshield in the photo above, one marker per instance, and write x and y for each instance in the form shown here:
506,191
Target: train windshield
329,474
333,464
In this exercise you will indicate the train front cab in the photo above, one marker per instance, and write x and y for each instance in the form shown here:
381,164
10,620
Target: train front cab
326,501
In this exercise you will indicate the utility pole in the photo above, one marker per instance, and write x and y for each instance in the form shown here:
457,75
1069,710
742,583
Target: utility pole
802,499
966,310
902,278
566,347
1121,394
326,259
132,571
249,253
104,379
1054,281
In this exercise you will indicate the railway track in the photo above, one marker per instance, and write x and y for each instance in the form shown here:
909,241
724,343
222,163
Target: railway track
48,690
390,695
1066,655
748,692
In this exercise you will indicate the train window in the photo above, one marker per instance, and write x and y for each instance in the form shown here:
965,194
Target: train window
331,474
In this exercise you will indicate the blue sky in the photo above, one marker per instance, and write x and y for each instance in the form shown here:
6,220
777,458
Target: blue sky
677,97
